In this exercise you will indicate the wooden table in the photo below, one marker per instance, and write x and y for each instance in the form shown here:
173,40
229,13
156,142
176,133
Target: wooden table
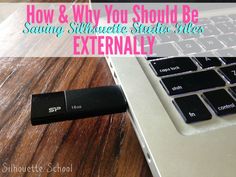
104,146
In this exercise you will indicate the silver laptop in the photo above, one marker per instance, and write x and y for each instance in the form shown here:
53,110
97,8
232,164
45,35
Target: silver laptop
183,105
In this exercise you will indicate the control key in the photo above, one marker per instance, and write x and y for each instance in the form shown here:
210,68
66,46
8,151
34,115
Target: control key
221,102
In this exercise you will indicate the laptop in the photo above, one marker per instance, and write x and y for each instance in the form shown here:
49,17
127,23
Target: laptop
183,102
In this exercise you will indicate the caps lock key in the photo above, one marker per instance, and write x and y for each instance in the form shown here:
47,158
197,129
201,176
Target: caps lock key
173,66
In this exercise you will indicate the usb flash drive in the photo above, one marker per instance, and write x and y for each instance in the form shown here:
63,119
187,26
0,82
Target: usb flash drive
75,104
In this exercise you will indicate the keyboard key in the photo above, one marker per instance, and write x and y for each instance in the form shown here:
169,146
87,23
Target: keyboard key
218,19
227,53
189,46
192,82
230,73
146,42
204,21
229,60
233,90
192,109
186,36
233,16
168,37
210,30
226,27
221,102
206,62
165,50
205,54
152,57
210,43
173,66
228,39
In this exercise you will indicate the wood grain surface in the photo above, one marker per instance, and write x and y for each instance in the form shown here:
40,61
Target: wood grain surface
104,146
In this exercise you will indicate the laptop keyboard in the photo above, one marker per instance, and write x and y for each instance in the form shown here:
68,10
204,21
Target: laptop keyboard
182,75
194,81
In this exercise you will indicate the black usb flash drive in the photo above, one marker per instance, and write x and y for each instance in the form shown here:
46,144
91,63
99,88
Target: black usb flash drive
75,104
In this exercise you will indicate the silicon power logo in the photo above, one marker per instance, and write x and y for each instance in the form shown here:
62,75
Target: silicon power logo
54,109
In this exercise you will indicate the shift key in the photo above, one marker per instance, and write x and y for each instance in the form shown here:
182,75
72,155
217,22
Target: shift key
192,82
